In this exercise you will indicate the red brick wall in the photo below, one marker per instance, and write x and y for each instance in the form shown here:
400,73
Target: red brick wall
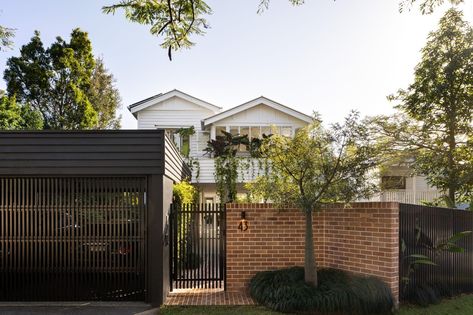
362,238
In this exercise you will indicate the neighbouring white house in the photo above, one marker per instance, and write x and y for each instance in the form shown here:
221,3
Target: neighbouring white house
175,110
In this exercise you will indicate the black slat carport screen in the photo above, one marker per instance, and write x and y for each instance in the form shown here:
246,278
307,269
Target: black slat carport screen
80,238
75,214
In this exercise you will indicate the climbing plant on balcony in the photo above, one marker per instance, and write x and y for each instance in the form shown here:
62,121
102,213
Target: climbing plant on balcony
224,149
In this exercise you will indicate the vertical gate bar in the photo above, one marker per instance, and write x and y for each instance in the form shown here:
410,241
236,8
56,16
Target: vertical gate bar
3,252
204,206
197,215
105,217
193,253
224,239
212,246
171,248
29,253
144,228
114,227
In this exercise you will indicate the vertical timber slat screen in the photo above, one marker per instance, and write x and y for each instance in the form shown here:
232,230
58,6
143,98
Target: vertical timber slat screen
422,227
72,238
197,246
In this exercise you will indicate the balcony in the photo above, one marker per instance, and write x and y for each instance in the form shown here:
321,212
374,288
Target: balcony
412,197
249,169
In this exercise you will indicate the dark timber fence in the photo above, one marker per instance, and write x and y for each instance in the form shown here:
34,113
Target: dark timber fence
197,246
74,238
422,228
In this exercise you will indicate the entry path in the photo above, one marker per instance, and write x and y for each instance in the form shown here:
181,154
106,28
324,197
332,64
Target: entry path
208,297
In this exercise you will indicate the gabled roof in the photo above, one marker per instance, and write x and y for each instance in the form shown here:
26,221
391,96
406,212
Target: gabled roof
153,100
257,101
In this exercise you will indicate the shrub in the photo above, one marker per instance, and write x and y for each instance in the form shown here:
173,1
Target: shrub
338,292
191,261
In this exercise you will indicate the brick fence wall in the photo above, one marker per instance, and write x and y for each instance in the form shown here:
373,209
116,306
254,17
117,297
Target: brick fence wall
363,239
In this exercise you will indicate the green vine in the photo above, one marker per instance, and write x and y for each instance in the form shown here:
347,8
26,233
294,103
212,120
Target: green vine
228,165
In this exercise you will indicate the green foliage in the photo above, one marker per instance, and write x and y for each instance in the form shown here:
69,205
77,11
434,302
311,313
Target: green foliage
185,193
14,116
435,126
427,292
224,149
316,167
176,21
191,260
320,165
6,35
425,6
104,97
338,292
60,82
262,187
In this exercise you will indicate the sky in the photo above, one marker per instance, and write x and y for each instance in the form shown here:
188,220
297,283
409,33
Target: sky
325,56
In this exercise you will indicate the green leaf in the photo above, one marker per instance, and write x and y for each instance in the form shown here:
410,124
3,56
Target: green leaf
419,256
458,236
424,262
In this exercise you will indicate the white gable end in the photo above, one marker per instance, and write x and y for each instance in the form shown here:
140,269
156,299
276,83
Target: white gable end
261,115
174,112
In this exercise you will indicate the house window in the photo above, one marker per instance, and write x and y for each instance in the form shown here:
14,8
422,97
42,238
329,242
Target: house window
182,142
266,130
286,131
255,132
185,145
219,130
393,182
234,130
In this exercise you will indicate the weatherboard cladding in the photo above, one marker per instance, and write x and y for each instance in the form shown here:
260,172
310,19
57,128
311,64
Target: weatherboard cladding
120,152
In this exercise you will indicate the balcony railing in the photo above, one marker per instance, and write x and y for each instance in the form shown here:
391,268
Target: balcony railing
412,197
249,169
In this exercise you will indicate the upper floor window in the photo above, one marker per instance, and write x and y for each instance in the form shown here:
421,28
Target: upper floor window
393,182
255,131
181,140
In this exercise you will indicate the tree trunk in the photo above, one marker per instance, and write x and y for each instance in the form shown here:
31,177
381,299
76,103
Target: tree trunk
310,266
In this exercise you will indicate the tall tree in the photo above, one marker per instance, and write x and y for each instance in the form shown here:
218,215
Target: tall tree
62,81
14,116
438,112
316,167
104,97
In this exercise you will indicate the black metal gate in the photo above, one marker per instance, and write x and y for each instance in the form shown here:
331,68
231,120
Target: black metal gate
65,239
197,245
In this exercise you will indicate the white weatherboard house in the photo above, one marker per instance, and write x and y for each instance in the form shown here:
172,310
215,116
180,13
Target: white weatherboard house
175,110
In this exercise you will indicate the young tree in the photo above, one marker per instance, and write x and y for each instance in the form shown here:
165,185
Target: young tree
64,83
438,113
316,167
18,117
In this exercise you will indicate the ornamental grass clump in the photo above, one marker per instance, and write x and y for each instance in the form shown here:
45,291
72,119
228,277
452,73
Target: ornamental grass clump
338,292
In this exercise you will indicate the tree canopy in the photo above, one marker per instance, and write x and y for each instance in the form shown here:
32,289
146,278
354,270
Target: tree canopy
319,166
6,35
425,6
14,116
175,20
435,125
64,83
